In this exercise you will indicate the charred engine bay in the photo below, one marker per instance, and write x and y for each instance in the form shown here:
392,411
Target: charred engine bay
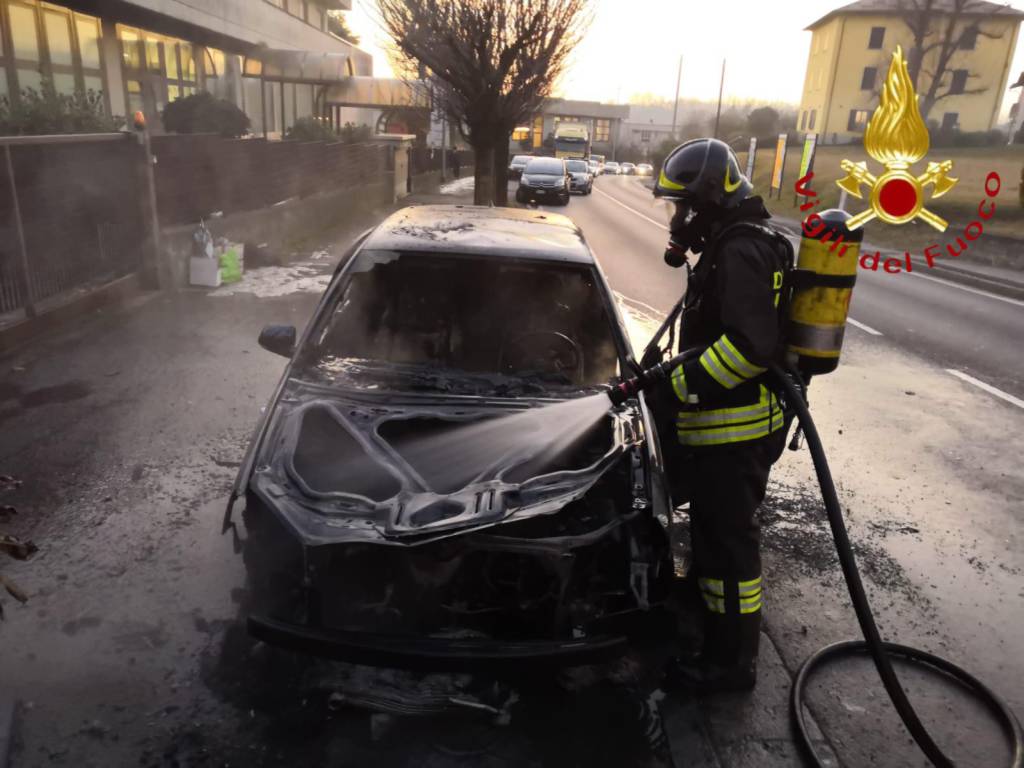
354,527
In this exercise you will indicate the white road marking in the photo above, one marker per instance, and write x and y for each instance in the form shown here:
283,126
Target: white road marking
978,291
865,328
987,387
634,211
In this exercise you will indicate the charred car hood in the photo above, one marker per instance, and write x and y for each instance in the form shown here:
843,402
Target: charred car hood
337,469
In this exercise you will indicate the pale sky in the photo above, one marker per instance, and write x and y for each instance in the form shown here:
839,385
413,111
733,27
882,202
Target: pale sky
633,48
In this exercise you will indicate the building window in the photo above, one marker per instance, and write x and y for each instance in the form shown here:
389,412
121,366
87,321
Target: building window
813,120
877,38
858,120
157,69
602,130
969,38
959,84
803,119
867,80
950,121
315,16
53,43
645,135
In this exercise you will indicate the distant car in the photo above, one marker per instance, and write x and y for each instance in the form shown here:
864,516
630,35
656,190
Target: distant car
515,168
612,168
627,169
595,168
644,169
359,546
580,178
545,179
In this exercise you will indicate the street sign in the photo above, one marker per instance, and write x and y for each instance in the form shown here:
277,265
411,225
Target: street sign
751,154
807,158
780,161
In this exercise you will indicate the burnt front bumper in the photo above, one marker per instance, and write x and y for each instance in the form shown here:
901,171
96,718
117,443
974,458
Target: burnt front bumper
432,653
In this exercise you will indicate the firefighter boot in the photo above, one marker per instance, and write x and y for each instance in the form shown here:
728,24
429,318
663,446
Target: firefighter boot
728,660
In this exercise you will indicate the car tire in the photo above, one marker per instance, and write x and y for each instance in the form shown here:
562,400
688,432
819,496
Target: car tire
565,200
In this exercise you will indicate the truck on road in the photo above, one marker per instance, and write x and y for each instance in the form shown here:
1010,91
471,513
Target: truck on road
572,140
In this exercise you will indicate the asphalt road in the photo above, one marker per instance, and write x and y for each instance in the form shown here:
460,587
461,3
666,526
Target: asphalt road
956,327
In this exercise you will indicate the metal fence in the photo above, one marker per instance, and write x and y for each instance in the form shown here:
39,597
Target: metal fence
71,215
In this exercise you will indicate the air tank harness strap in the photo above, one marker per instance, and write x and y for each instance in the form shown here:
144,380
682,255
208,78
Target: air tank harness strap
805,278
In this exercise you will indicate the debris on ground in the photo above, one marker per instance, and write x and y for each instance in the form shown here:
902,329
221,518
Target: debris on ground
12,546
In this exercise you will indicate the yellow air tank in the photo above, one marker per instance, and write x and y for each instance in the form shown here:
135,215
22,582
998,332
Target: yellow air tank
823,281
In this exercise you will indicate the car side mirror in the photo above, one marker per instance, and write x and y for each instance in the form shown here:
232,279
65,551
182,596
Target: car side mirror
279,339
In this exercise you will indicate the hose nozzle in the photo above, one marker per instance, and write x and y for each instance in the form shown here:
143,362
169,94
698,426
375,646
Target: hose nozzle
628,388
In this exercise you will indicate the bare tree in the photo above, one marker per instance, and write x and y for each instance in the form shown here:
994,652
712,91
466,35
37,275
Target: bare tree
939,28
492,63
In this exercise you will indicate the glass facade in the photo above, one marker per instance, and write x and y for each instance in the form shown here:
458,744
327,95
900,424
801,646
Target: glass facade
42,41
157,69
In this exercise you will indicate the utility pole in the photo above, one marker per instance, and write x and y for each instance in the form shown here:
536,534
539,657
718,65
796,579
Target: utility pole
675,109
721,87
444,147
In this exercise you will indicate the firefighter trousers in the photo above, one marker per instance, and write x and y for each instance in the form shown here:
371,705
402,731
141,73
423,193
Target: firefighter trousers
727,484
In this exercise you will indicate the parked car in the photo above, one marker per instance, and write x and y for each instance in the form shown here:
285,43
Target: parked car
644,169
363,543
515,167
580,178
544,179
627,169
612,168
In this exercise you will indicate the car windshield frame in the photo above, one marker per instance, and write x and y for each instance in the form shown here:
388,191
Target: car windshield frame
545,166
584,169
308,351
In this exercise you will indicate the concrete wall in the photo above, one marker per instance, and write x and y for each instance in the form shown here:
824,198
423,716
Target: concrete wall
280,228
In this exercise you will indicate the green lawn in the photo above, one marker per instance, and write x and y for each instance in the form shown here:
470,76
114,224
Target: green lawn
959,206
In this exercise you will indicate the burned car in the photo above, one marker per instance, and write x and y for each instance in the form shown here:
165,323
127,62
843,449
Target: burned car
439,476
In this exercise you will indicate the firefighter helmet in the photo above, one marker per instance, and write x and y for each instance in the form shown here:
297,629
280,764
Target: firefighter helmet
703,171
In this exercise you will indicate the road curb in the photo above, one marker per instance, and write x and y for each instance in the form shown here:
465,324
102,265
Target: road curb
6,729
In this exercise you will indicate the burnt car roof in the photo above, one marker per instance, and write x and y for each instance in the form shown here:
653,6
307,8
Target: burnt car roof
493,232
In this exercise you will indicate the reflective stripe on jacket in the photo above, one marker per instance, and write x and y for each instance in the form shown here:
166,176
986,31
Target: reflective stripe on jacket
724,425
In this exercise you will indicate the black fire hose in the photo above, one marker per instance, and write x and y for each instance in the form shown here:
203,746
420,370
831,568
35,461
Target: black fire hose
881,651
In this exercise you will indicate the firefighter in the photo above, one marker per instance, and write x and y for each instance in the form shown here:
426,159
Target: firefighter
729,425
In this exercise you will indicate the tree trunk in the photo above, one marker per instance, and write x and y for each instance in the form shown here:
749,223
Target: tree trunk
483,177
501,167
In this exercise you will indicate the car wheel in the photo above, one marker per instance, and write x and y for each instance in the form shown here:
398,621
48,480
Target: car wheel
565,200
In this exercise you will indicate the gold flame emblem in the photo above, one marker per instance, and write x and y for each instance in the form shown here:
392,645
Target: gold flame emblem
897,137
